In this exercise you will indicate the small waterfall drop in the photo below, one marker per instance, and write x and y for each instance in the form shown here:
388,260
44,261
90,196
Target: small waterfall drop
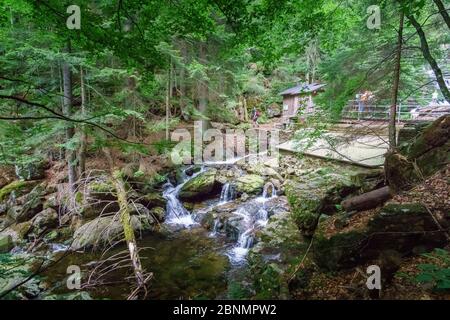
176,213
228,193
269,191
251,223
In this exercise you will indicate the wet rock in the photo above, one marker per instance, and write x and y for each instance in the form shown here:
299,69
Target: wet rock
152,200
159,213
250,184
272,259
201,186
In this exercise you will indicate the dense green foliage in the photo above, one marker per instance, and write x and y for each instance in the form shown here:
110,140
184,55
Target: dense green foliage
135,59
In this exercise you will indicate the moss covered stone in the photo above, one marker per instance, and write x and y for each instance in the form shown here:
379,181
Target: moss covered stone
249,184
201,186
17,187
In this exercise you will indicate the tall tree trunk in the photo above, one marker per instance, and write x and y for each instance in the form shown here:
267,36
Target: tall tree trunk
182,77
83,138
70,130
443,12
202,89
393,111
168,94
427,55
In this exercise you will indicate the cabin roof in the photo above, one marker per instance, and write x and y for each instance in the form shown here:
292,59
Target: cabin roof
302,88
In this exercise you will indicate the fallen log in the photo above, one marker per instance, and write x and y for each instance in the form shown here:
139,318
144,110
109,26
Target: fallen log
125,219
367,200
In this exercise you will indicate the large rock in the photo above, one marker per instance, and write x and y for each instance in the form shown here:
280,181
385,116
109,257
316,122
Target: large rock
18,231
104,231
404,228
426,154
7,175
16,189
319,192
32,171
250,184
28,205
46,219
6,243
202,185
273,110
275,255
152,200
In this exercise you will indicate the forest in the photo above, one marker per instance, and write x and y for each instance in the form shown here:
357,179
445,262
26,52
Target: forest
224,149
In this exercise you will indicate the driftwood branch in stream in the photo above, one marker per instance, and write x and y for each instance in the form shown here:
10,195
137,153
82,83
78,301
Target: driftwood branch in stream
367,200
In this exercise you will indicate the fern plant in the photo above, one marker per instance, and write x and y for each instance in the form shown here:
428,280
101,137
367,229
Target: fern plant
436,274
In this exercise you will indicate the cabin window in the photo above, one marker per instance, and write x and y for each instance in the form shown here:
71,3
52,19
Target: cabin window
285,107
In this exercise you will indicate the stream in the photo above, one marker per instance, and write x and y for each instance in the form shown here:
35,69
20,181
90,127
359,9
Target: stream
188,260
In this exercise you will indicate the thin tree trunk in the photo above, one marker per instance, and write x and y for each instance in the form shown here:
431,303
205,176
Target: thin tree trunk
244,105
202,89
427,55
443,12
83,138
168,92
393,111
182,78
70,130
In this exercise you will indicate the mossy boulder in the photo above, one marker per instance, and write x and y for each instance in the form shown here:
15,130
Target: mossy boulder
249,184
152,200
18,231
32,171
104,231
27,206
44,220
6,243
274,257
320,191
399,227
16,188
201,186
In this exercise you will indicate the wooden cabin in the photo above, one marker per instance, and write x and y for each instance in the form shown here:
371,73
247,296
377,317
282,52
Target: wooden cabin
298,98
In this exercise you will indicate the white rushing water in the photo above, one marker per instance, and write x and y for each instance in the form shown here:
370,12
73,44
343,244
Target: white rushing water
251,223
252,220
227,194
176,213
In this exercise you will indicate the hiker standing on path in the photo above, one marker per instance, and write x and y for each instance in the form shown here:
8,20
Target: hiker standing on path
255,116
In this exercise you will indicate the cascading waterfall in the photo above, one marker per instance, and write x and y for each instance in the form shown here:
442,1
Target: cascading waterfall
176,213
246,239
269,191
